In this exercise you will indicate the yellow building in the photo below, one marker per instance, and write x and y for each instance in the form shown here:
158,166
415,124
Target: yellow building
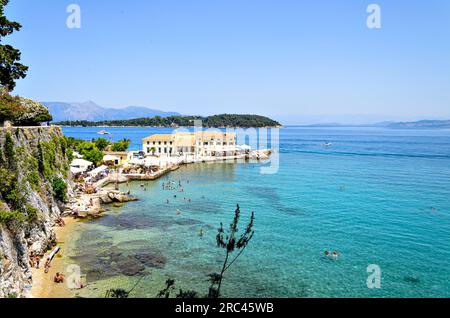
201,143
118,157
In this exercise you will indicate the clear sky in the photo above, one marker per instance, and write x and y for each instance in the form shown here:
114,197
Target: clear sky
295,60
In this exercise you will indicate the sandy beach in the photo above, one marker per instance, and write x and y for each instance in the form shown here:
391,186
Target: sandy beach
43,284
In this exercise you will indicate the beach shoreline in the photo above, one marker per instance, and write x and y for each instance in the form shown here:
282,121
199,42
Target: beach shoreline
43,285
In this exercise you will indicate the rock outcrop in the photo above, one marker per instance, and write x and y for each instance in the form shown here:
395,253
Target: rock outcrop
30,160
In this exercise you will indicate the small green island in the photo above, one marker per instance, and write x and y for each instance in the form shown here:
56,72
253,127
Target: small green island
216,121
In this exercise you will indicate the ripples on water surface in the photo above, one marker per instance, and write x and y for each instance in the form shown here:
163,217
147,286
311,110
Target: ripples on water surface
377,196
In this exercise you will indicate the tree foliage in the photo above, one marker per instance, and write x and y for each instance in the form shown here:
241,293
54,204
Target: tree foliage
121,145
224,120
10,68
90,152
101,143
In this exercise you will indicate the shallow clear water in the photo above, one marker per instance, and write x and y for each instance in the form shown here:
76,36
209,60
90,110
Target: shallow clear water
377,196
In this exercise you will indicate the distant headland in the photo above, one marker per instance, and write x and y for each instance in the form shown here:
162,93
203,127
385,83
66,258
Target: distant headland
215,121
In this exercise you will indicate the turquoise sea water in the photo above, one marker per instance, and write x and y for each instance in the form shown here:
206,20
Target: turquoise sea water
377,196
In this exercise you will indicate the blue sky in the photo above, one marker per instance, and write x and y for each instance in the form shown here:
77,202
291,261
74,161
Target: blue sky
296,60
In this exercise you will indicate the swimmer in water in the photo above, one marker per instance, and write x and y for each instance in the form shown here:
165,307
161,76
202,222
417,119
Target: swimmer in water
178,212
327,254
200,233
335,254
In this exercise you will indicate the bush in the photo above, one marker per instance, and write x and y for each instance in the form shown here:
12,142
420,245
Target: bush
59,189
6,217
10,107
32,213
22,111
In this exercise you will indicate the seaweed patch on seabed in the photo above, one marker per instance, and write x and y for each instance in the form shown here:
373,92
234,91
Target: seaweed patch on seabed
187,222
205,205
131,221
411,279
115,261
273,199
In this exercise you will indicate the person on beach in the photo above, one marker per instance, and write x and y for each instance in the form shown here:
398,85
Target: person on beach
59,278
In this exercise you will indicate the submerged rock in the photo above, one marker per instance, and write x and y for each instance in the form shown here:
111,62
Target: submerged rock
115,261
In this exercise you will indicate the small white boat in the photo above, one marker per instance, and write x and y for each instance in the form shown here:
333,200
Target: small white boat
103,132
327,144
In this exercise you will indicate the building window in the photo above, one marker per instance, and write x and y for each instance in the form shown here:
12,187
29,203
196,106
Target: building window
165,142
154,142
159,149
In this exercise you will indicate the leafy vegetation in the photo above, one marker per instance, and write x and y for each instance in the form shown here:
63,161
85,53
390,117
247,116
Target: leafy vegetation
7,217
121,145
21,111
101,143
35,169
59,189
90,152
10,68
93,150
224,120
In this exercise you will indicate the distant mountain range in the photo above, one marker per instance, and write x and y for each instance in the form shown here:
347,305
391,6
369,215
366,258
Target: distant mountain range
90,111
422,124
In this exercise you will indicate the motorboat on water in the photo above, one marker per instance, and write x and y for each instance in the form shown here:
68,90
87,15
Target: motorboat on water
327,144
103,132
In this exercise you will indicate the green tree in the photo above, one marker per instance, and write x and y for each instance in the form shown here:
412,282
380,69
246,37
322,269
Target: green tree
90,152
101,143
121,145
10,68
